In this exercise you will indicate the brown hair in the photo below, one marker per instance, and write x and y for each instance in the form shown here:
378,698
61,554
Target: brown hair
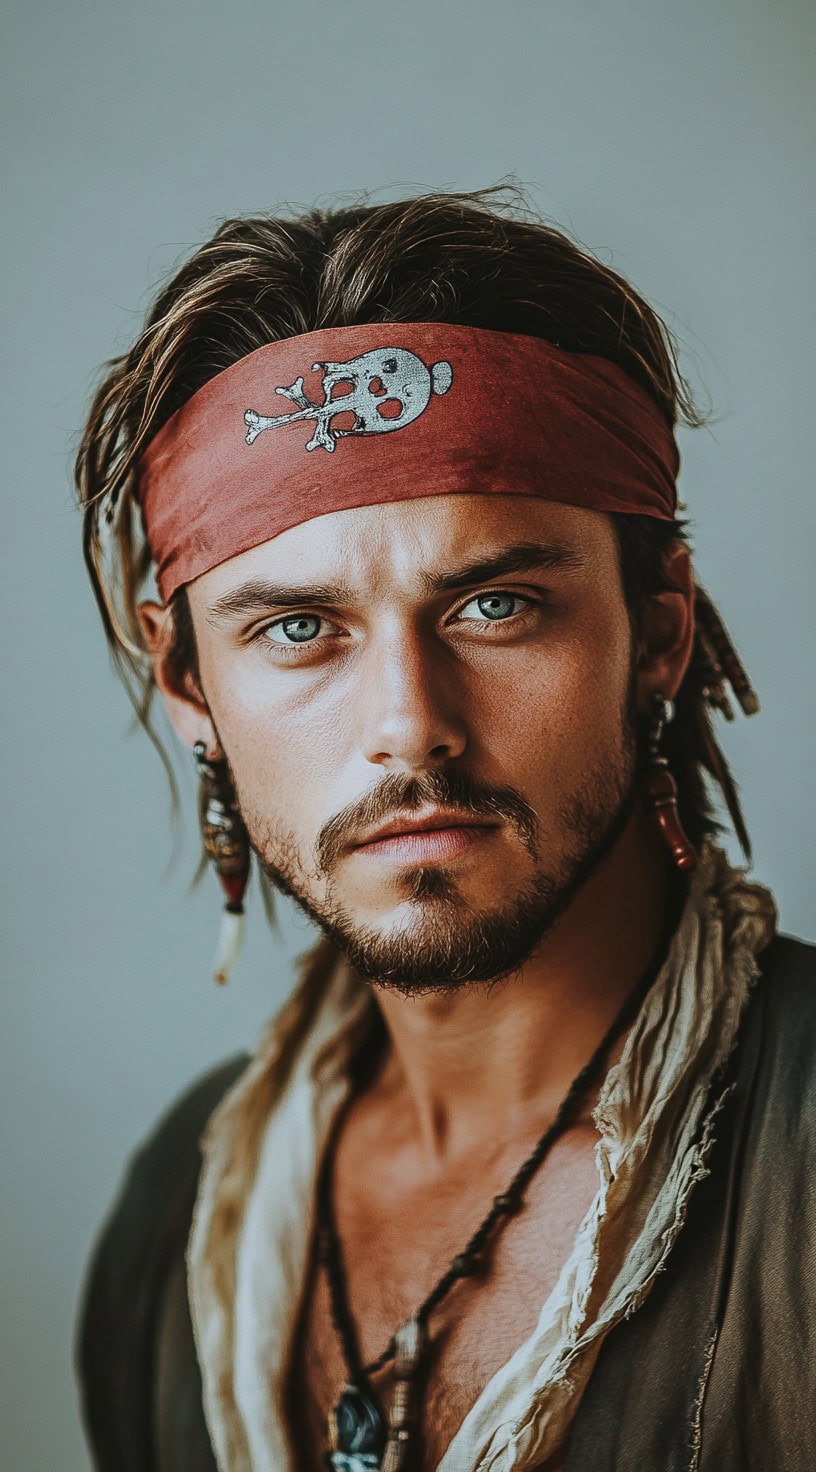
481,259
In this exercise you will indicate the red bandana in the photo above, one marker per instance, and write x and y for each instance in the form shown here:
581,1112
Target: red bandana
355,416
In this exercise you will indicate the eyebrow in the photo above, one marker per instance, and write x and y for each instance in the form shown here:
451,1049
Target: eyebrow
260,595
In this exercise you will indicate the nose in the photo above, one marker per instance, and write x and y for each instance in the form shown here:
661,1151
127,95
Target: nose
411,714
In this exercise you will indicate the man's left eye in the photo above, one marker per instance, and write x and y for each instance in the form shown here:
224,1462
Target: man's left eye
493,606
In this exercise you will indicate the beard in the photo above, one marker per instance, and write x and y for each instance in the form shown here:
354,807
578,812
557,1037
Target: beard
447,945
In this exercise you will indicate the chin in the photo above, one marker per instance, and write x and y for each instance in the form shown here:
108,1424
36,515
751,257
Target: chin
403,896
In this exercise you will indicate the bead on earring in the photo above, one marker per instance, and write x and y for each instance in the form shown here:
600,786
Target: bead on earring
662,788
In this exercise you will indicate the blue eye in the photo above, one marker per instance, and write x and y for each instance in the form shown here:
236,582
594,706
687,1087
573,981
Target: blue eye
296,627
495,613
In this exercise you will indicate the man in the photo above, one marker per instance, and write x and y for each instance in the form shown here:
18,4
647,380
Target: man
521,1177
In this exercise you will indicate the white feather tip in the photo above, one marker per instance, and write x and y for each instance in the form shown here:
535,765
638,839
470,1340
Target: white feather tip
229,944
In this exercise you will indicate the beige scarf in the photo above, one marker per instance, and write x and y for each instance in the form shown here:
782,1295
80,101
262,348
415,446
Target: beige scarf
248,1250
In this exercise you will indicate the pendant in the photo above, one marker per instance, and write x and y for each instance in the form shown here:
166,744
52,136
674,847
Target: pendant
356,1433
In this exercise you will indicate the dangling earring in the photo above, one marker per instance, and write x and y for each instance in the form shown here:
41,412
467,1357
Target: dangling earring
662,787
226,843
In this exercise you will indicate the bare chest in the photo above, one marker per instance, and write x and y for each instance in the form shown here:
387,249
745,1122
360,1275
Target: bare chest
395,1251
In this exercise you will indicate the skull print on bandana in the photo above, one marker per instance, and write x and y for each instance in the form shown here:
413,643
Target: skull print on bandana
385,389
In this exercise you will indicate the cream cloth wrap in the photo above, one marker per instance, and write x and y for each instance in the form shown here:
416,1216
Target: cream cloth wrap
247,1255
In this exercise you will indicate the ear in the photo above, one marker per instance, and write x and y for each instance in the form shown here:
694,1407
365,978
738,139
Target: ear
183,700
667,634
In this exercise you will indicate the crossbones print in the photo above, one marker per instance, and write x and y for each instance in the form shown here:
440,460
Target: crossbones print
384,389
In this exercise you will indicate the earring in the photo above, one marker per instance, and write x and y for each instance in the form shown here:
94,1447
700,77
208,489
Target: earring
226,844
662,787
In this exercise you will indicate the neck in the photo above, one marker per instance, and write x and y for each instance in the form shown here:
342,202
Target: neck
476,1064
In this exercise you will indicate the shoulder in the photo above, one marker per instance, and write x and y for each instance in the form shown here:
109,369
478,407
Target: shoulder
787,1008
139,1245
791,962
777,1084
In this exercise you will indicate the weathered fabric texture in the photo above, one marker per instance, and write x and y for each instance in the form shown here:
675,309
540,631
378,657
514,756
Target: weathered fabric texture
354,416
248,1252
689,1287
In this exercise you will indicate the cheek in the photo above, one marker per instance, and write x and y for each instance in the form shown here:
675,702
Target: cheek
283,752
559,704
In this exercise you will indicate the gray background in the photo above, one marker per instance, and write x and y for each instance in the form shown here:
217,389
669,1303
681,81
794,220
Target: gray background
674,140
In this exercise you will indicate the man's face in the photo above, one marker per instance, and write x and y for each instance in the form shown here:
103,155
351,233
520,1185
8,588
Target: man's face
508,696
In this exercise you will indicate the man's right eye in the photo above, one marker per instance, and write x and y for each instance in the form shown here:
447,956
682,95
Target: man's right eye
299,629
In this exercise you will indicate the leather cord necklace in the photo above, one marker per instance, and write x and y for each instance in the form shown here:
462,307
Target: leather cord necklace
360,1437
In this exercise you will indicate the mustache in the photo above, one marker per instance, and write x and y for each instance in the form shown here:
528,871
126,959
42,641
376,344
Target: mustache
399,794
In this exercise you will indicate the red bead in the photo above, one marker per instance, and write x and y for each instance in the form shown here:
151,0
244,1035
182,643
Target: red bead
663,793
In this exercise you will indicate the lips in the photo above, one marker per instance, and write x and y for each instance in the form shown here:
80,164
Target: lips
425,823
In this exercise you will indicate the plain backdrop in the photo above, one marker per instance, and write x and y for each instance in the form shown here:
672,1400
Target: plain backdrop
676,141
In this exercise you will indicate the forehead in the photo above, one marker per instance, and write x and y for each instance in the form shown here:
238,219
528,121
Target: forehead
391,546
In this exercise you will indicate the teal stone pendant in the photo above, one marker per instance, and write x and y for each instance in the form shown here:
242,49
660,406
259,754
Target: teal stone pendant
356,1433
